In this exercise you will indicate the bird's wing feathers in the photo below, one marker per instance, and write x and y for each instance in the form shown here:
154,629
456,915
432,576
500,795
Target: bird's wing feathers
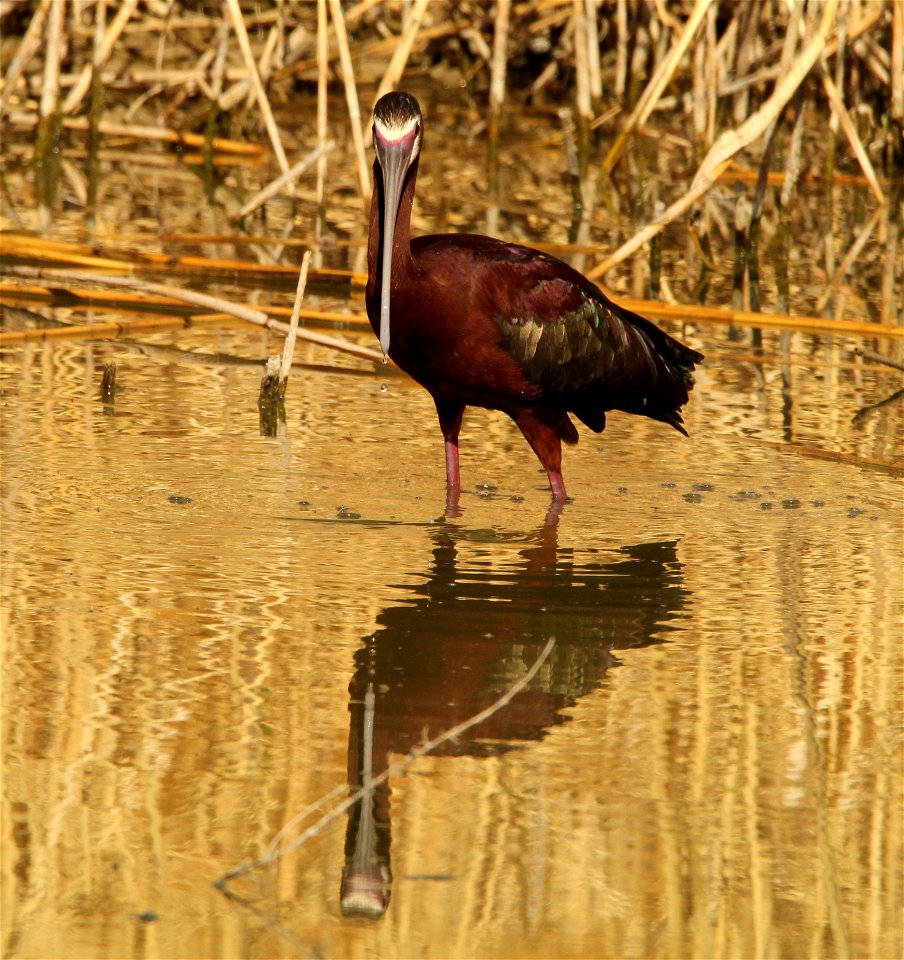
561,328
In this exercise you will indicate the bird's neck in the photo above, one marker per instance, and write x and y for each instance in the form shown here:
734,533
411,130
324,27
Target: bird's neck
401,242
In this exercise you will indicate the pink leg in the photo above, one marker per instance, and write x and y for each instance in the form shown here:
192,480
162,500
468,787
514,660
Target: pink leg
557,484
542,430
450,422
453,476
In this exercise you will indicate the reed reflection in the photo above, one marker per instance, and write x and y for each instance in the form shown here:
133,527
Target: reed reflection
462,637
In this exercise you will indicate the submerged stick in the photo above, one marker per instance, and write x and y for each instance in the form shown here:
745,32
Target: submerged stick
415,753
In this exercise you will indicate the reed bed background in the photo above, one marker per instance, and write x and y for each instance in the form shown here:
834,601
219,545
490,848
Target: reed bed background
762,93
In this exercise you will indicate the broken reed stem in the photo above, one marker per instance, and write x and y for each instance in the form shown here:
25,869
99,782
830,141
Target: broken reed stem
351,98
730,143
239,310
289,177
241,33
403,50
289,347
275,853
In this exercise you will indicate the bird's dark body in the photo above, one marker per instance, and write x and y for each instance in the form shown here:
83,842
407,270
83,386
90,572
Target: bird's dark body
480,322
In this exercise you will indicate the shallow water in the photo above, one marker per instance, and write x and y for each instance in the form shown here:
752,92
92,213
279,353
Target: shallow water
708,762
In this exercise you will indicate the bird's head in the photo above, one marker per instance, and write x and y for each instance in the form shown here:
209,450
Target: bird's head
397,141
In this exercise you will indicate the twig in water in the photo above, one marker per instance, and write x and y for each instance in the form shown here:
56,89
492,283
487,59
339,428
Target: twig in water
274,853
874,357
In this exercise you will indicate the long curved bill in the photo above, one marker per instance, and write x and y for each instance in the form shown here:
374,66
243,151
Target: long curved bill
395,158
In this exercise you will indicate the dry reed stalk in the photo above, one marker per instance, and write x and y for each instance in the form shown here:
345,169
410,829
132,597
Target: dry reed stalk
657,84
289,348
323,52
95,109
274,853
50,88
731,142
290,176
39,250
896,73
147,133
29,247
241,33
403,50
239,310
591,23
581,65
351,98
621,49
78,91
140,303
655,309
26,49
695,313
498,65
850,132
378,48
113,329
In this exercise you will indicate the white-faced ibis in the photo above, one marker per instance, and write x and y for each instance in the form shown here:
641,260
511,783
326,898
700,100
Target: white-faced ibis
479,322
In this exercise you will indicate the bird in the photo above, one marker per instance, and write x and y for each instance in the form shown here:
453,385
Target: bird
480,322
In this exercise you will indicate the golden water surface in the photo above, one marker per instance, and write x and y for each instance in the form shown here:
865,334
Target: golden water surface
205,630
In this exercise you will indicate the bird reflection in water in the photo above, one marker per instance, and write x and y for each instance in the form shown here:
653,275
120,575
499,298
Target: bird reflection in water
451,648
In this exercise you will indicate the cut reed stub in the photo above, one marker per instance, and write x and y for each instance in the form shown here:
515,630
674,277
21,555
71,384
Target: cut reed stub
108,383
